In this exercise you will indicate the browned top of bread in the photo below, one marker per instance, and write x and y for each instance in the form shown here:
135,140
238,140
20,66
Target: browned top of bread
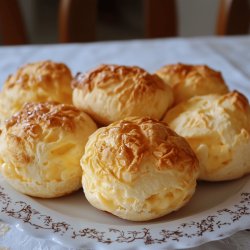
126,143
237,99
105,76
33,74
186,71
35,116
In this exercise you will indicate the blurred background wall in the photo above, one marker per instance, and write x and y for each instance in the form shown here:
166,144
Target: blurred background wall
119,19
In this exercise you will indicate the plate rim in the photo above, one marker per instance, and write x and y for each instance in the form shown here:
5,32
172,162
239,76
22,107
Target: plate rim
236,217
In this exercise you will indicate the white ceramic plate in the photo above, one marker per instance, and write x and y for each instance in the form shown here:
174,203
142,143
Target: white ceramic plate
217,210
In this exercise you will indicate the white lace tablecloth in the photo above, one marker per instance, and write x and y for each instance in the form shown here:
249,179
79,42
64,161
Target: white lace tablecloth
230,55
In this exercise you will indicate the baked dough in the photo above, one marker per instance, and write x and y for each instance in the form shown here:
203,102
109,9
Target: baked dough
138,169
111,92
192,80
218,129
41,147
36,82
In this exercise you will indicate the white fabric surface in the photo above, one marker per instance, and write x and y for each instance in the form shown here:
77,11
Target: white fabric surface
230,55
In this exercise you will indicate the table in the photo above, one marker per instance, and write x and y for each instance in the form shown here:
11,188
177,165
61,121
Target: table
230,55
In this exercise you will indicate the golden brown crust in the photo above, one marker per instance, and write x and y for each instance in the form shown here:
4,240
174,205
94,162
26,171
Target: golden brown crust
111,92
34,116
35,82
38,73
187,70
237,99
106,75
136,138
182,70
192,80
